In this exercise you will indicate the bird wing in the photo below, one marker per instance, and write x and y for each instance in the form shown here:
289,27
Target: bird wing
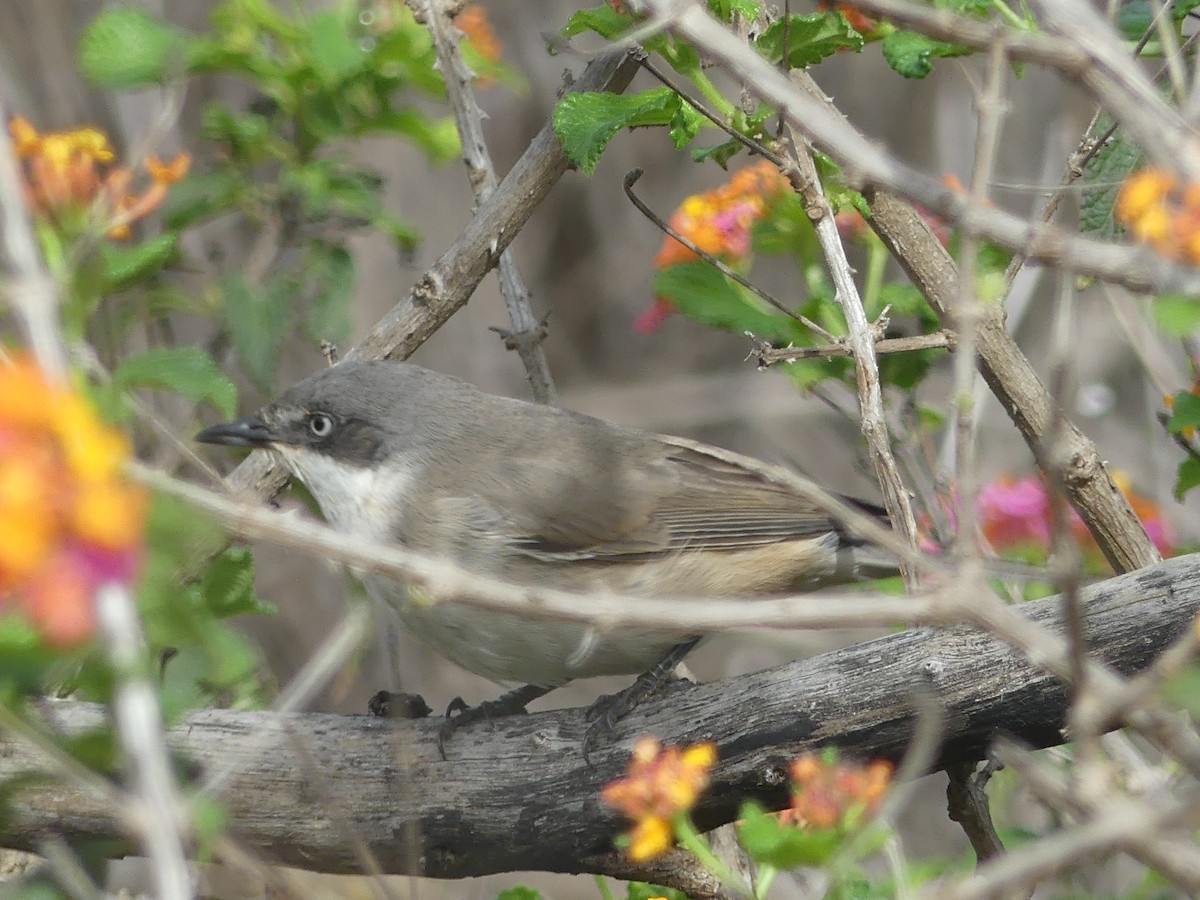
664,495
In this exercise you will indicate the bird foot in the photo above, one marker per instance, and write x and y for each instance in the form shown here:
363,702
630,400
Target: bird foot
458,713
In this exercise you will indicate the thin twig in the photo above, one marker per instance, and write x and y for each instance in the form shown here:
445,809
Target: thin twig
766,355
143,741
526,334
862,337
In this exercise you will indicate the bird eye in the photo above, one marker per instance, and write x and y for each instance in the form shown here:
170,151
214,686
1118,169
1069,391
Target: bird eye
320,424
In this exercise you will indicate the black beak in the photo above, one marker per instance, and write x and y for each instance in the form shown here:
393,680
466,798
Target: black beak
248,432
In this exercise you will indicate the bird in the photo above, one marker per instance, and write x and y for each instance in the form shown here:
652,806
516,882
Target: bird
536,495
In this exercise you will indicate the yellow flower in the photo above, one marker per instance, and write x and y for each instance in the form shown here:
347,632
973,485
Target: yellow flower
661,783
649,838
70,520
69,172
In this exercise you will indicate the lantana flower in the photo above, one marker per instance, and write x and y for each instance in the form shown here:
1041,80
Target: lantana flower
72,174
1159,210
661,783
71,520
829,793
720,223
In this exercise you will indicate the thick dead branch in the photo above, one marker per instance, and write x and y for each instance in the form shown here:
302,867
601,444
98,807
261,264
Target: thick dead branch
517,795
1016,385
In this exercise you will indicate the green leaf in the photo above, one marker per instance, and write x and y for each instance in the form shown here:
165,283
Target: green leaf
127,264
1102,180
24,657
603,20
200,195
1187,477
810,38
641,890
187,371
769,841
126,47
724,9
258,319
585,122
911,54
1186,412
686,122
228,585
519,892
1178,316
335,52
702,293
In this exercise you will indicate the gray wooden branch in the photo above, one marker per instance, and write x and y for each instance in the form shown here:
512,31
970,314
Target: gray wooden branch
305,789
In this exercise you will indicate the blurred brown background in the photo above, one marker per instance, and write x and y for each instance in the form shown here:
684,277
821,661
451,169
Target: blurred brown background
586,256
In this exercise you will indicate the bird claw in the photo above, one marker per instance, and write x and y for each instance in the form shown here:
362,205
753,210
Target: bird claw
458,714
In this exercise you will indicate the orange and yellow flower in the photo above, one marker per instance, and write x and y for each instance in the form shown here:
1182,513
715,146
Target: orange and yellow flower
1161,211
71,174
71,521
719,222
827,793
661,783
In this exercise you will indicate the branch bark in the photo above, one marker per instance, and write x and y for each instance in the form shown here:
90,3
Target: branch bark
1016,385
516,794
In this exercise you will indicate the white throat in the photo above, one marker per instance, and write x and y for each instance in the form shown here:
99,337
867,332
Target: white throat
358,500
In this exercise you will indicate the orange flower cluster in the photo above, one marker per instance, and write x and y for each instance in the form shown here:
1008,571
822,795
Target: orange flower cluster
719,222
71,522
828,794
474,23
661,783
69,173
1161,212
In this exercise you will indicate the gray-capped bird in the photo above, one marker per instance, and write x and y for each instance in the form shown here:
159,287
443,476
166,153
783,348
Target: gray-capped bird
541,496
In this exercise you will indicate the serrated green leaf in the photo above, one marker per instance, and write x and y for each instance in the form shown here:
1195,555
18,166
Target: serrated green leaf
810,38
126,264
188,371
1187,476
228,585
126,47
1185,412
702,293
586,121
685,124
718,153
519,892
911,54
769,841
1102,180
1178,316
258,319
603,20
724,9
